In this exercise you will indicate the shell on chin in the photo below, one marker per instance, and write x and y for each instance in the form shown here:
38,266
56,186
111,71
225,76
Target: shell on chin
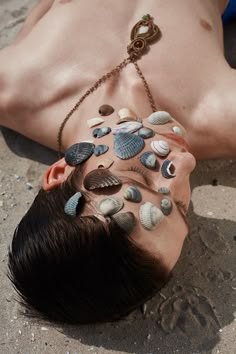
148,159
127,145
100,178
160,147
126,221
159,117
110,206
71,207
78,153
150,216
133,194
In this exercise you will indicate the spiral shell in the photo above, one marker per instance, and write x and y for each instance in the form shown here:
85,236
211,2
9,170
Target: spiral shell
71,207
100,178
105,163
148,159
177,131
146,133
127,145
150,216
168,169
126,221
127,127
110,206
166,206
100,132
160,147
133,194
105,110
100,149
78,153
94,121
164,190
159,117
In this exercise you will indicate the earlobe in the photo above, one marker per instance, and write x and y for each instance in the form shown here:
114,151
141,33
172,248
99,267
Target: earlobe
56,174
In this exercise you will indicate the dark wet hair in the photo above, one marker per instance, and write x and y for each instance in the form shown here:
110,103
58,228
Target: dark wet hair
78,270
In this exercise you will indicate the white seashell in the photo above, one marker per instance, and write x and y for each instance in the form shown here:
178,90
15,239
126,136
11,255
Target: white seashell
177,131
160,147
87,141
94,121
127,127
105,163
159,117
110,206
126,112
150,216
143,29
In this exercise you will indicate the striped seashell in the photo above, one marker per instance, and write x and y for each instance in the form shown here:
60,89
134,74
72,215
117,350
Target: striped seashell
100,178
177,131
164,190
78,153
94,121
126,112
148,159
126,221
127,127
159,117
129,119
166,206
150,216
71,207
160,147
110,206
133,194
100,149
146,133
105,163
105,110
100,132
168,169
127,145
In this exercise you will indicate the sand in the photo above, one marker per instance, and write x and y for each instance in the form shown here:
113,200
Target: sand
194,313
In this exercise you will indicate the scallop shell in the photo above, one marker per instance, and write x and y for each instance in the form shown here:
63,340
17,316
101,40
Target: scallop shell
94,121
146,133
105,163
177,131
100,149
110,206
127,145
160,147
126,112
100,178
78,153
71,207
148,159
126,221
166,206
159,117
150,216
100,132
164,190
127,127
106,110
167,169
133,194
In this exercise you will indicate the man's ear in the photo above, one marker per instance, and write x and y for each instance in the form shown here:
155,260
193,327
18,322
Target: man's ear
56,174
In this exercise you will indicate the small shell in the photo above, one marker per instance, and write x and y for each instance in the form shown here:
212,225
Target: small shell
148,159
71,207
110,206
146,133
100,132
127,127
106,110
100,149
126,221
129,119
133,194
160,147
105,163
177,131
78,153
126,112
94,121
166,206
159,117
168,169
127,145
100,178
164,190
150,216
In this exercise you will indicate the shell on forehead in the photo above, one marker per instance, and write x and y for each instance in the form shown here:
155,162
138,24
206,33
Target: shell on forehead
100,178
146,133
148,159
150,216
164,190
166,206
133,194
127,145
94,121
78,153
160,147
126,221
166,168
71,207
159,117
100,132
127,127
100,149
110,206
104,163
126,112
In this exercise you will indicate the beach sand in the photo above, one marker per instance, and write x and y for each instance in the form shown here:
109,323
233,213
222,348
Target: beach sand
194,313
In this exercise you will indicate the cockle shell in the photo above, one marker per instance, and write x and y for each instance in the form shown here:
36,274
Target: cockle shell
126,221
148,159
177,131
166,206
106,110
105,163
71,207
100,178
78,153
164,190
146,133
133,194
160,147
150,216
127,127
100,132
110,206
127,145
159,117
100,149
168,169
126,112
94,121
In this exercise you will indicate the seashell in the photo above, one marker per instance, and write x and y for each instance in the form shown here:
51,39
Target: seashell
78,153
160,147
94,121
159,117
106,110
177,131
166,206
148,159
126,221
71,207
168,169
105,163
127,145
100,132
87,141
126,112
100,178
133,194
110,206
164,190
129,119
150,216
127,127
143,29
100,149
146,133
